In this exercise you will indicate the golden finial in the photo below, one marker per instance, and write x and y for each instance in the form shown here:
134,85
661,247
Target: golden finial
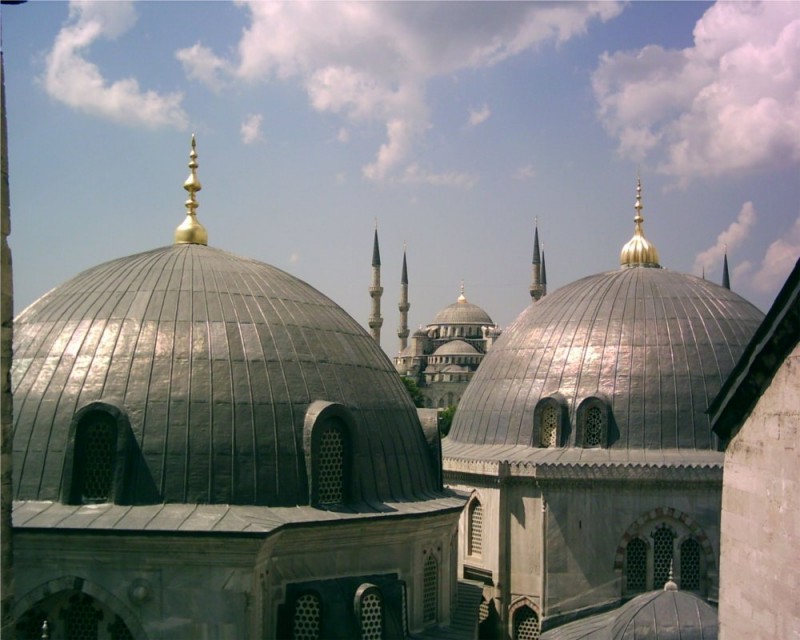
191,231
638,251
462,297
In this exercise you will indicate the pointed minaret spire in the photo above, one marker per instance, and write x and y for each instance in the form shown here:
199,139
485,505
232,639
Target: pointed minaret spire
191,231
536,289
376,290
544,274
726,279
403,305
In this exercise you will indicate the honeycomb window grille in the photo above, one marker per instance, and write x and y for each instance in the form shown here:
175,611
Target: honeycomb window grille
690,565
96,445
330,488
593,428
483,610
430,590
663,541
549,436
636,565
371,614
82,618
307,618
475,538
526,624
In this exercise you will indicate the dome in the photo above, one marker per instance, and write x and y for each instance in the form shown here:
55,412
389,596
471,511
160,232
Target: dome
456,348
214,361
462,312
650,345
659,615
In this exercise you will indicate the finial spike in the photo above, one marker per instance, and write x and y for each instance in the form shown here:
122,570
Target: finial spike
638,251
726,278
191,231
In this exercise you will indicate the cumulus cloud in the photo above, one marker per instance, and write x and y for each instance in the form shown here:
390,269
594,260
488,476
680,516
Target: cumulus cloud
371,62
730,239
70,78
413,174
729,102
779,260
251,129
479,116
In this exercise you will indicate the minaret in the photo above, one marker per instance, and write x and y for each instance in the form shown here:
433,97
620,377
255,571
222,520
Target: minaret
537,288
376,290
544,274
403,305
190,230
726,279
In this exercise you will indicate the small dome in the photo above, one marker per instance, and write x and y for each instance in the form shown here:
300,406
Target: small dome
214,360
462,312
456,348
454,368
653,345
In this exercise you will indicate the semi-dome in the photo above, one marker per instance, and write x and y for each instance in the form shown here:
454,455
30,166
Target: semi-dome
456,348
462,312
216,369
650,347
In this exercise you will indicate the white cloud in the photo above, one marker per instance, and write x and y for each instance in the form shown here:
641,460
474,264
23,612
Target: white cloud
479,116
372,61
414,175
251,129
343,136
730,102
731,239
527,172
70,78
778,261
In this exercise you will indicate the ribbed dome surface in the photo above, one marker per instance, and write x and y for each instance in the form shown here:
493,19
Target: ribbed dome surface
215,360
462,312
455,348
656,344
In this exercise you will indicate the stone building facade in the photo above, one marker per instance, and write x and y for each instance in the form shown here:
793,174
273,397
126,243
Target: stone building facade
584,443
756,415
207,447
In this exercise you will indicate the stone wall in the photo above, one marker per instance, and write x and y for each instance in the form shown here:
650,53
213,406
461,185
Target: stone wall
760,567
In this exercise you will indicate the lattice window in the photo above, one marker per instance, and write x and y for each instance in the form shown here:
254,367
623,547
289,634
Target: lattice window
475,528
306,621
371,617
662,555
330,489
549,426
526,624
636,565
81,618
690,565
430,589
593,428
98,446
483,610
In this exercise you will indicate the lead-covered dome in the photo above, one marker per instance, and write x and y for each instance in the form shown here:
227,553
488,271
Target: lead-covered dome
462,312
215,362
647,347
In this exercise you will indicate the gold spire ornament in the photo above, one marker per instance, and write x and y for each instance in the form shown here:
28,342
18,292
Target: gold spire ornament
639,251
191,231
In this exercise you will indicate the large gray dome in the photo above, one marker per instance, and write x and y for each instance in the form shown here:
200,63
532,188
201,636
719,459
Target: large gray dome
651,344
214,360
462,312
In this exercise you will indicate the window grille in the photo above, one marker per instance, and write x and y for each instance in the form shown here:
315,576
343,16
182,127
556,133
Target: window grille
475,528
371,617
526,624
662,556
690,565
483,610
29,626
330,488
430,589
549,426
306,622
636,565
81,618
593,430
98,443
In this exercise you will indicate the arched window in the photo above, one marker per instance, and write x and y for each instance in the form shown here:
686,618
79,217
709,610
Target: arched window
430,590
95,452
690,565
525,624
369,612
475,525
307,618
330,484
592,421
327,441
549,426
636,565
663,538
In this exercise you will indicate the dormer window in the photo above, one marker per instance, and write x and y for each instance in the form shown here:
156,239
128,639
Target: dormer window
548,422
328,453
592,423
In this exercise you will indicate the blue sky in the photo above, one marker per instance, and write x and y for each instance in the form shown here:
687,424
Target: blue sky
455,125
